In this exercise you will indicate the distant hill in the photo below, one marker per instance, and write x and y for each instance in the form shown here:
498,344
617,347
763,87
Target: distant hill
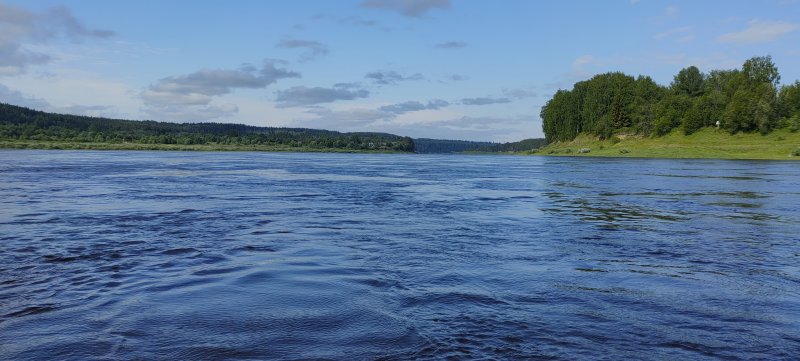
18,124
426,145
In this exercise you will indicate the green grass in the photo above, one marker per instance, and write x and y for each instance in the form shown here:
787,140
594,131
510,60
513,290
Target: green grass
35,144
706,143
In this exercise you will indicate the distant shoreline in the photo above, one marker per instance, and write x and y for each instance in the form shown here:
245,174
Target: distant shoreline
53,145
705,144
708,143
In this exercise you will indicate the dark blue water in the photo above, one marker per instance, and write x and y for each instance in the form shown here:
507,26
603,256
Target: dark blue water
192,256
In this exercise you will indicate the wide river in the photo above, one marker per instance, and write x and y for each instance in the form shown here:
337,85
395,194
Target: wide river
109,255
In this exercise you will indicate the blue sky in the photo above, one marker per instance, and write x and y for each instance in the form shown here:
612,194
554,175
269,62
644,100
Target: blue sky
456,69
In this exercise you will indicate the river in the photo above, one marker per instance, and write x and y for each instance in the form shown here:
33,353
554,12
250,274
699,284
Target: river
217,256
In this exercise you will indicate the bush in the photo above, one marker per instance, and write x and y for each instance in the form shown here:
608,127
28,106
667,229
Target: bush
615,139
624,151
663,126
794,123
796,152
584,150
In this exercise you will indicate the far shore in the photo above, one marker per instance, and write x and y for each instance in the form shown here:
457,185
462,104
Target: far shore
708,143
35,144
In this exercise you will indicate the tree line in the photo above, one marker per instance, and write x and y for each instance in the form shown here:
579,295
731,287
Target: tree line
24,124
749,99
427,145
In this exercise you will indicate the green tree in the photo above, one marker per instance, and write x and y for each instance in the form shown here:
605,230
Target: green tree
789,100
761,69
688,81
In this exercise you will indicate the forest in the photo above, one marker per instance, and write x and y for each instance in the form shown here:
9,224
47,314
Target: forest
23,124
427,145
746,100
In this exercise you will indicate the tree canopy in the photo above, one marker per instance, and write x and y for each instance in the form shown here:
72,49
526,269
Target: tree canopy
745,100
20,124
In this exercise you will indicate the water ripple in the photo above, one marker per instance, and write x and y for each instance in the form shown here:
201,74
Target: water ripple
161,255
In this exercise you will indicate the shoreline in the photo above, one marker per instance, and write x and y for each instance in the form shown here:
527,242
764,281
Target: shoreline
705,144
54,145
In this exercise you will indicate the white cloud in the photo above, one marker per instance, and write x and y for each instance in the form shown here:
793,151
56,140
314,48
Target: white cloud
759,31
76,92
189,97
299,96
20,28
391,77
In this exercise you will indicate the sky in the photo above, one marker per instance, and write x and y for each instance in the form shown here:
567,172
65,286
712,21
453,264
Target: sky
450,69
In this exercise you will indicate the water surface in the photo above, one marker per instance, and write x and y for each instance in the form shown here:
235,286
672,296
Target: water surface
160,255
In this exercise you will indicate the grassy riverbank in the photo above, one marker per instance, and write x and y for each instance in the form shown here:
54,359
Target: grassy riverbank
706,143
33,144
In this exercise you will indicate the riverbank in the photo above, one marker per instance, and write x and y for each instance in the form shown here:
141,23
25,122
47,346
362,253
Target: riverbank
34,144
706,143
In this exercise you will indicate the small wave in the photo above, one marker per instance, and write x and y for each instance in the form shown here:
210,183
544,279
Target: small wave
252,248
451,298
180,251
218,271
33,310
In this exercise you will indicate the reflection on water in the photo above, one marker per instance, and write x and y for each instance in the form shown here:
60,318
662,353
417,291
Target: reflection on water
159,255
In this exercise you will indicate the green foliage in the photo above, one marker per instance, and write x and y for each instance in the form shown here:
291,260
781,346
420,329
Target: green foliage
794,123
745,100
601,105
796,152
663,126
751,109
789,100
23,124
689,81
761,69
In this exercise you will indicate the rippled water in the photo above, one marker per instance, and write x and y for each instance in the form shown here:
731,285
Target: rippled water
159,255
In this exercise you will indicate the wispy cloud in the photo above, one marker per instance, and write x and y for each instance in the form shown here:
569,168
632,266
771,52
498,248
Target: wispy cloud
759,31
222,81
411,8
582,61
454,77
484,101
357,117
300,96
391,77
682,34
313,49
451,45
520,93
510,128
188,97
347,20
414,106
17,98
19,27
